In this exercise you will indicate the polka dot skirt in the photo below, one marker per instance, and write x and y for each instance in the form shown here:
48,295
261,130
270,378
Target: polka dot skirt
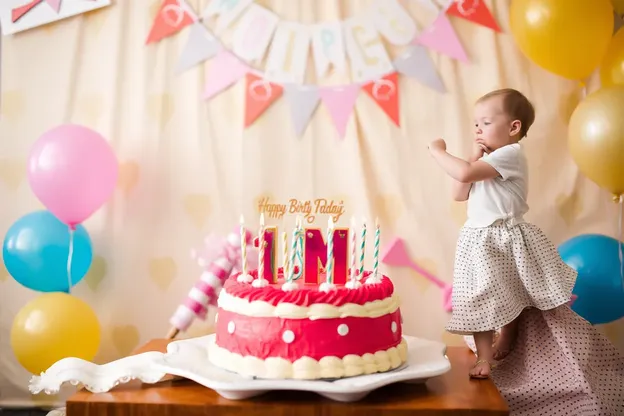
501,270
560,366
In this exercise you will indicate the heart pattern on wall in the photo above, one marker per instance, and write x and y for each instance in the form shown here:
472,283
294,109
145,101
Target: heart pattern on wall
197,207
162,271
97,272
90,108
12,173
569,207
388,207
160,108
421,282
125,339
129,173
13,105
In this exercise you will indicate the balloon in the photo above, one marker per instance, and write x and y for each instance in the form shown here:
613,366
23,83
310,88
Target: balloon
618,6
51,327
596,138
73,171
612,67
36,250
599,284
566,37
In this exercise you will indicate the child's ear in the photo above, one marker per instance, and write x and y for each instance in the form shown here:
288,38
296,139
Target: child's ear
516,126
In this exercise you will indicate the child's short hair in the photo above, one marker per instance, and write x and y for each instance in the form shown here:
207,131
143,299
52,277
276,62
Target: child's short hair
516,105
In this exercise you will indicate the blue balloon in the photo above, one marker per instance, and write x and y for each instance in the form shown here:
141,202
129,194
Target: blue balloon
36,250
599,285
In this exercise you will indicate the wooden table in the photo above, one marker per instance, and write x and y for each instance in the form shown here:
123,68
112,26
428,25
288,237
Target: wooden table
450,394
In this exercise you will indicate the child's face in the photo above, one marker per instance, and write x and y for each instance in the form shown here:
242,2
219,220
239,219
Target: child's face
494,128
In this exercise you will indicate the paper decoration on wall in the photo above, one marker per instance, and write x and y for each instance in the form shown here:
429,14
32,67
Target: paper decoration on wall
40,12
396,255
475,11
173,16
441,37
260,34
260,94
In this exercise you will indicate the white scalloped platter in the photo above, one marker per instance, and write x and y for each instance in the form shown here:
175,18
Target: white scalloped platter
189,359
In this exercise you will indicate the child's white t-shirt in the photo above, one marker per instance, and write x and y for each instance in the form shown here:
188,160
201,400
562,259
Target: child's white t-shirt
504,197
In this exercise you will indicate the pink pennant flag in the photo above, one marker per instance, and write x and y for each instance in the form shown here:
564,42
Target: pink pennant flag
441,37
55,4
225,70
340,102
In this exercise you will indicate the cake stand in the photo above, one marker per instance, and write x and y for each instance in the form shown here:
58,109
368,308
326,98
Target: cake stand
189,359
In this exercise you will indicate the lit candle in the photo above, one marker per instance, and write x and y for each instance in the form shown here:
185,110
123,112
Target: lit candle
290,283
330,251
260,281
362,248
300,237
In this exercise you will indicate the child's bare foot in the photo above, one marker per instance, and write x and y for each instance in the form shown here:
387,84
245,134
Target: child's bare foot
481,369
504,343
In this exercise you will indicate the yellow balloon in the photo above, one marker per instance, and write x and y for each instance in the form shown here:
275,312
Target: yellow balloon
618,6
596,138
51,327
566,37
612,68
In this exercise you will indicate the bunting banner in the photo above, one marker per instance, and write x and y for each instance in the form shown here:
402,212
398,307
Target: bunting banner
260,37
25,15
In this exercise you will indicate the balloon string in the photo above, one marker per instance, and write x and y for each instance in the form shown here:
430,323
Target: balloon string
621,235
69,259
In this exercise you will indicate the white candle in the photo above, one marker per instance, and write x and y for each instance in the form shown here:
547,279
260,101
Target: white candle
353,255
330,251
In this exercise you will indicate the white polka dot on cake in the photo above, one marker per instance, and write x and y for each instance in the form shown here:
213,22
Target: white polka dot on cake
288,336
231,327
343,329
394,327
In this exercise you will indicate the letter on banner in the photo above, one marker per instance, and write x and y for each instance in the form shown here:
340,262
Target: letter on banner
328,47
368,57
253,33
288,55
393,22
226,10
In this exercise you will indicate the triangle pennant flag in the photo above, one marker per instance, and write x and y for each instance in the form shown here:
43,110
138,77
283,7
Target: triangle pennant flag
225,70
201,45
385,92
340,102
441,37
303,100
259,95
55,4
416,63
20,11
475,11
172,17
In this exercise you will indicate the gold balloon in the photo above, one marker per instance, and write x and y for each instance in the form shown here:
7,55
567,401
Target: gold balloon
596,138
51,327
618,6
612,68
566,37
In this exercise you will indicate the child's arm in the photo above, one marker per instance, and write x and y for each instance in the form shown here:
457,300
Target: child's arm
459,169
461,190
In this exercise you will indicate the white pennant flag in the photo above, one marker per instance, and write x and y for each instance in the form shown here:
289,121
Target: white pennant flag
201,45
393,22
367,54
226,11
288,56
328,47
253,33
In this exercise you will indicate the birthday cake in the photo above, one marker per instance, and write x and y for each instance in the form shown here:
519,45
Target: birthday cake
303,321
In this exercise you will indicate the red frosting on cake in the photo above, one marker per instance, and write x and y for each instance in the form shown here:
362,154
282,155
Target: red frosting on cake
263,337
307,295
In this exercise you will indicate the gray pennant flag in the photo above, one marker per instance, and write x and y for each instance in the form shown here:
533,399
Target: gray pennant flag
416,63
201,45
303,100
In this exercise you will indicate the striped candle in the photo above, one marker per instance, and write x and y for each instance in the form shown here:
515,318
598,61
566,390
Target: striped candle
293,253
285,255
353,253
330,251
376,249
362,248
243,245
300,237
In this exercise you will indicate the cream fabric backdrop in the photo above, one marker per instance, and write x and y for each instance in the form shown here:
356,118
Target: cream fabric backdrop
188,167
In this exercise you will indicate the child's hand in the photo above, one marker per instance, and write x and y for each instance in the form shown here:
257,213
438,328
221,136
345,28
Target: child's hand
437,144
478,150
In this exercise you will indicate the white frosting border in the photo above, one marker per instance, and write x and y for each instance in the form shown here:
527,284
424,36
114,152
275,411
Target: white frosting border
260,308
307,368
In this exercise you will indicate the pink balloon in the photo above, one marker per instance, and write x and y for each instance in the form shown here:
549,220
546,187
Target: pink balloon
73,171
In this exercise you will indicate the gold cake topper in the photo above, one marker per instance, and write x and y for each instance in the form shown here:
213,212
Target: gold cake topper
308,208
